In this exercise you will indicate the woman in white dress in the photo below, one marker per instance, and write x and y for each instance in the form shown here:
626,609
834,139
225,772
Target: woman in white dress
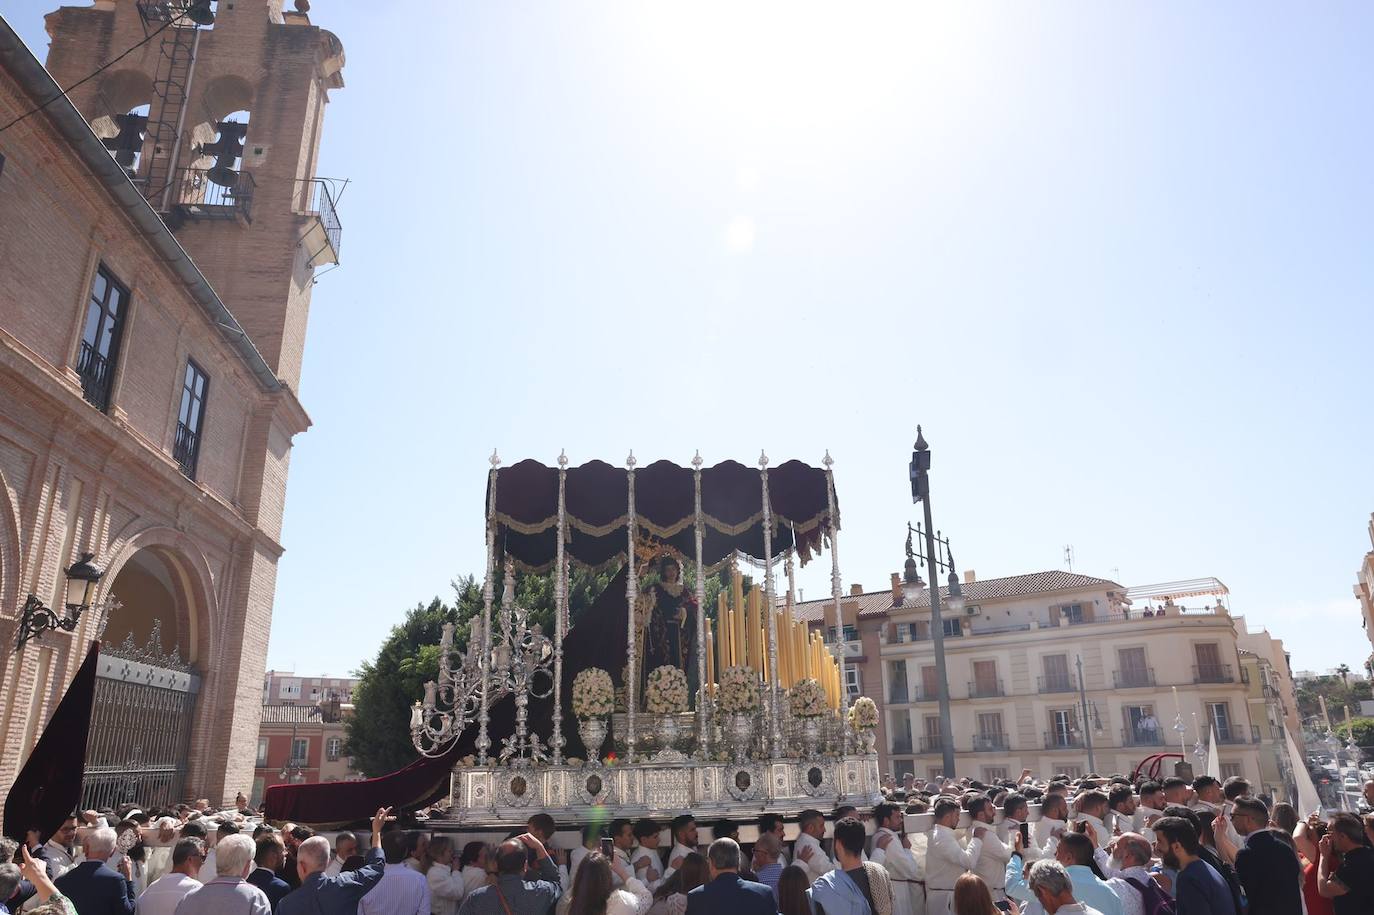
671,896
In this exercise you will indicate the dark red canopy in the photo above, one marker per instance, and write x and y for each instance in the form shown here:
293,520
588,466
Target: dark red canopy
597,505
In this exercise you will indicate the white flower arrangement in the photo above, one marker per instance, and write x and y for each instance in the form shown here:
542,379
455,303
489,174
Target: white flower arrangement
593,695
808,699
739,690
666,692
863,714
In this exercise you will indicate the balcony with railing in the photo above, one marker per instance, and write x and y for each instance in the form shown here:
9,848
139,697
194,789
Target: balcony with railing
898,694
1234,735
323,231
901,746
195,196
1131,677
186,450
990,743
1141,737
932,744
985,689
1213,673
1055,684
96,375
1057,740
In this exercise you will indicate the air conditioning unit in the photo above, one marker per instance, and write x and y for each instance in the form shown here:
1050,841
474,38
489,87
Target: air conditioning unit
972,610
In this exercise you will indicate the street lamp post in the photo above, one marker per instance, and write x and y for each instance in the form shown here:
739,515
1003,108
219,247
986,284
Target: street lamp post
36,618
920,492
1087,724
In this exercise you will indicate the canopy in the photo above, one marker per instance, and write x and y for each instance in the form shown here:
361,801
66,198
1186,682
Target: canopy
596,497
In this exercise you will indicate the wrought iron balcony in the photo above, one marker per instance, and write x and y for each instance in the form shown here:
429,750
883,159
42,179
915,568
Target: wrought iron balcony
186,450
1055,684
1133,676
1054,740
195,196
932,744
96,377
987,743
1139,737
1213,673
901,746
323,233
983,689
898,694
1231,736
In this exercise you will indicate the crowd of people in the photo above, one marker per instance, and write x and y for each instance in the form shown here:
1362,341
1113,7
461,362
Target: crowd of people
1099,846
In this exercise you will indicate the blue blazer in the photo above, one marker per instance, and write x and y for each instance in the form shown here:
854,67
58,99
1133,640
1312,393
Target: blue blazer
321,895
272,886
728,893
96,889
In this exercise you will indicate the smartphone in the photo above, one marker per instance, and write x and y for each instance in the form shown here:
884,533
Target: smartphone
1003,905
607,847
1025,837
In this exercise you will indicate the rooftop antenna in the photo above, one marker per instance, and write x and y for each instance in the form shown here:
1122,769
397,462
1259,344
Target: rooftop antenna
1068,555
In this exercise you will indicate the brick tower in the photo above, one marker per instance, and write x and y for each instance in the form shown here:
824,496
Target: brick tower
219,125
216,120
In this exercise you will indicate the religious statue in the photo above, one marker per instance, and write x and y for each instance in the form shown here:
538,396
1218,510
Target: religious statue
668,614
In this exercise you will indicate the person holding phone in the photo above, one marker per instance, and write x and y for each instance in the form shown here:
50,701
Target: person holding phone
992,862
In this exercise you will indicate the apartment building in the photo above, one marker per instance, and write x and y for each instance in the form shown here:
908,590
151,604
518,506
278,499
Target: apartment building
1014,658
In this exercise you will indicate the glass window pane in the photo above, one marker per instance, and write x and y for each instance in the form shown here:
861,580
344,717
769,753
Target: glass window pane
98,289
90,334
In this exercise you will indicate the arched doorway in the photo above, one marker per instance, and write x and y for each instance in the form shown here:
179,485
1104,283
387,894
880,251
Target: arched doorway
146,685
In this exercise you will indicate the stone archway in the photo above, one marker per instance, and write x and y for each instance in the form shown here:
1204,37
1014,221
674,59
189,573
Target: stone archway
148,684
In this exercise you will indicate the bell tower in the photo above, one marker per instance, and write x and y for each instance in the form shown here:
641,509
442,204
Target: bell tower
217,119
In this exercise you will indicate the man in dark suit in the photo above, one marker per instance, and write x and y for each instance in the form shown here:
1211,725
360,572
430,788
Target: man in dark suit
1268,868
92,887
338,895
727,892
267,858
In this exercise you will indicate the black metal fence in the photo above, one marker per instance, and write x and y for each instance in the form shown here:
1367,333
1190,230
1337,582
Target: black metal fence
196,195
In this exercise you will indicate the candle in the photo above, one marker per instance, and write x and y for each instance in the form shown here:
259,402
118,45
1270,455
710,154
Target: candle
751,621
710,660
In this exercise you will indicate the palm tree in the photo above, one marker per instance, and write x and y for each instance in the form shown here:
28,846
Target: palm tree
1344,672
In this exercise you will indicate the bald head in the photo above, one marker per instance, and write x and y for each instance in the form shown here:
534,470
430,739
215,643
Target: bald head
510,857
312,855
1132,850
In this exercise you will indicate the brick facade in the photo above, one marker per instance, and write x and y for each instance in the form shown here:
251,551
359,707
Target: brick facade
74,478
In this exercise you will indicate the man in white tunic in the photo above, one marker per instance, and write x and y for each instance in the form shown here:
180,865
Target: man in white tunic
992,859
810,855
1054,814
892,849
1092,809
946,859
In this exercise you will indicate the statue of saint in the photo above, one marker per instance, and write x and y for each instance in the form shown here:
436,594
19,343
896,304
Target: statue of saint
669,631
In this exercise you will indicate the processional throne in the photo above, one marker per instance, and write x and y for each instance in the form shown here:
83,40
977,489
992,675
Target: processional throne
505,709
513,729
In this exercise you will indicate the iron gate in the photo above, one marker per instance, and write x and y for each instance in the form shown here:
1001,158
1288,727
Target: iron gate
140,726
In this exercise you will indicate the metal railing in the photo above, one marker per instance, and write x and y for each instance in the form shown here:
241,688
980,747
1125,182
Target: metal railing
196,195
1133,676
985,743
901,745
1213,673
983,689
1139,737
318,201
1055,740
1055,684
932,744
898,695
1231,736
186,450
96,375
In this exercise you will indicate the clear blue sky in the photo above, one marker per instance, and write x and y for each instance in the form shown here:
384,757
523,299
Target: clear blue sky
1115,258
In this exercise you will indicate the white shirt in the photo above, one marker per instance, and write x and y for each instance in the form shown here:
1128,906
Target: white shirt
946,860
1101,834
1131,901
992,860
634,899
401,891
678,851
446,888
654,864
207,867
1043,835
473,877
162,895
334,867
908,898
819,864
623,857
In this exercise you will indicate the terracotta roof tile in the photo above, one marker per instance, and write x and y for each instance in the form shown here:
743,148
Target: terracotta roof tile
877,603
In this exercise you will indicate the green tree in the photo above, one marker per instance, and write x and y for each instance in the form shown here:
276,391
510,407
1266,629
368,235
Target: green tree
1344,673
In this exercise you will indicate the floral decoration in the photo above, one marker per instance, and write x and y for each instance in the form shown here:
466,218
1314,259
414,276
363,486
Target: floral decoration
863,714
593,695
666,692
808,699
739,690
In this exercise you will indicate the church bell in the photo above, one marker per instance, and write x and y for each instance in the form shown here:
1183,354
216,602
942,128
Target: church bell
129,141
227,150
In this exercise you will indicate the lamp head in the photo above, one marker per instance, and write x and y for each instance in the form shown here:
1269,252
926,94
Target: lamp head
82,578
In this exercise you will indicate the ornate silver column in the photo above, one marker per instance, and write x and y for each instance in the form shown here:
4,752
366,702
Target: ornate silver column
560,612
483,741
774,694
632,599
835,592
703,697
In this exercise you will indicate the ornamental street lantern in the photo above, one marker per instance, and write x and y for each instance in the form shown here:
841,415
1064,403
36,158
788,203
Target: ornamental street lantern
82,578
36,618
